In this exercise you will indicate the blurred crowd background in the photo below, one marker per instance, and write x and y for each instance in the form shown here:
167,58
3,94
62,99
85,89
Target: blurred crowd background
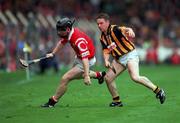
30,24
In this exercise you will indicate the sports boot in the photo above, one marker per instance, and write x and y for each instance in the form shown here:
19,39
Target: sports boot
116,104
49,104
101,78
161,96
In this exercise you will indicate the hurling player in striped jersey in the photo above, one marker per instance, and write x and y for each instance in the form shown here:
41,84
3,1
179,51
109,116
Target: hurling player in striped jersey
116,41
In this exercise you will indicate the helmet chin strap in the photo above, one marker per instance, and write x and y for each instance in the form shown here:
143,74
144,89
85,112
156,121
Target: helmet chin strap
64,36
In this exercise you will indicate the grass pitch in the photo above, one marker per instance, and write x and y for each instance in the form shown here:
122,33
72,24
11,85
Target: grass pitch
20,100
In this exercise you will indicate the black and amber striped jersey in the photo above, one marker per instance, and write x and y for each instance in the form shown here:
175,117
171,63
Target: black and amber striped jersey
115,41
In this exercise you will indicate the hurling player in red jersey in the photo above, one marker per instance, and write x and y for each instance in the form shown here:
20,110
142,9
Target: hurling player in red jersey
85,58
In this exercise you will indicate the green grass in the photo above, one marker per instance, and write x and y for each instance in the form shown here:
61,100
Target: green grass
20,100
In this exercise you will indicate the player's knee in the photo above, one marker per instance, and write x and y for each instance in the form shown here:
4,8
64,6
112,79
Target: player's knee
107,79
135,78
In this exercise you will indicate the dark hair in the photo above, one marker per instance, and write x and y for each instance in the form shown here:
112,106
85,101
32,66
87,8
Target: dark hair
103,15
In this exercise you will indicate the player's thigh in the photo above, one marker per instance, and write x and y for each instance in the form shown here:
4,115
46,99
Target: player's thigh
118,67
133,67
73,73
79,64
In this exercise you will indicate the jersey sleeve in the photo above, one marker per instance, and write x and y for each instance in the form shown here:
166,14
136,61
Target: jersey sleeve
122,29
63,41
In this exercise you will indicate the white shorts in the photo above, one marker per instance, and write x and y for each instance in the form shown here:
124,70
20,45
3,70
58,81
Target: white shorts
133,55
78,63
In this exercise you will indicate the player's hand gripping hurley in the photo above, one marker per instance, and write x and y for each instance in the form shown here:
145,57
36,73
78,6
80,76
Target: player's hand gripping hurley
108,65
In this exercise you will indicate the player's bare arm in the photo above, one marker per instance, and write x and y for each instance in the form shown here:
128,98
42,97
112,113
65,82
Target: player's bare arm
85,62
130,32
106,56
55,50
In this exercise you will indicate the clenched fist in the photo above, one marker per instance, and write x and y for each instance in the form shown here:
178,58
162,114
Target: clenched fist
87,80
49,55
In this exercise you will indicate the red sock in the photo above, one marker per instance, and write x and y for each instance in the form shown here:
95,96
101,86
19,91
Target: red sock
98,74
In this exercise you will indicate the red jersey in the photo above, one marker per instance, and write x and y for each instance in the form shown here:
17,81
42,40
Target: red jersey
81,43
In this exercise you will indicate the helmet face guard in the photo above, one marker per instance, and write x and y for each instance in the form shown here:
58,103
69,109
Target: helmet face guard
62,32
61,29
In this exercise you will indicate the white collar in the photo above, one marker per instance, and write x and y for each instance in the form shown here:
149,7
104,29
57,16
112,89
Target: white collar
70,34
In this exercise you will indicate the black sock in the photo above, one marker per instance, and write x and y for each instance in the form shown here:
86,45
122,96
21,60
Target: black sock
116,99
156,90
